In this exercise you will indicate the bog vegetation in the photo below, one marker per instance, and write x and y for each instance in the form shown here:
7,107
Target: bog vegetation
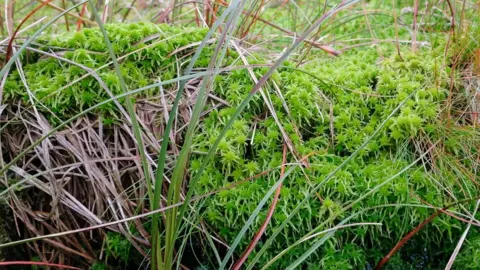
240,135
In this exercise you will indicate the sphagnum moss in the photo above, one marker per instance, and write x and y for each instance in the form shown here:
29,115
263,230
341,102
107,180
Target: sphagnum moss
363,86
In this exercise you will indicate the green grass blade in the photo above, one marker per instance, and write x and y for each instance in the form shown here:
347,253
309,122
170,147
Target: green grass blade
166,137
173,222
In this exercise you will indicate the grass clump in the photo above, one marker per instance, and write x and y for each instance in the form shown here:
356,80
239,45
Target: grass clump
322,111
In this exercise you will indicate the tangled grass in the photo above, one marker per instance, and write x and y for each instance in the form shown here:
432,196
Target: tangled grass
369,153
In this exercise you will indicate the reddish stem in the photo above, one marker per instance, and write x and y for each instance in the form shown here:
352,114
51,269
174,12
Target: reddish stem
12,38
406,238
262,228
61,266
313,43
79,22
417,229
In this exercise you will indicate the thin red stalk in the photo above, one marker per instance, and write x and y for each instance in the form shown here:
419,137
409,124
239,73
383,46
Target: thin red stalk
262,228
406,238
12,38
82,12
313,43
61,266
254,19
417,229
132,5
273,15
453,18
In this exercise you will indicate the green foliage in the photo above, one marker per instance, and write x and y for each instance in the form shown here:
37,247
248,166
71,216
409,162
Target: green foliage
146,61
98,266
469,257
118,247
364,86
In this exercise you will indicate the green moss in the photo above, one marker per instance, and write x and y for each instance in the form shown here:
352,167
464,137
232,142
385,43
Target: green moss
146,62
364,87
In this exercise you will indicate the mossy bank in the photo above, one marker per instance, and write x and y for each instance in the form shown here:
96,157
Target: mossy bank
384,108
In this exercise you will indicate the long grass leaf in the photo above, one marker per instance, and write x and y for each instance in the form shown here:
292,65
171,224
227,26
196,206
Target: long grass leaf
164,147
173,222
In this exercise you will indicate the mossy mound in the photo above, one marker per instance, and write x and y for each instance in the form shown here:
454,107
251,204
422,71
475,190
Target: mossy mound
328,108
142,48
364,87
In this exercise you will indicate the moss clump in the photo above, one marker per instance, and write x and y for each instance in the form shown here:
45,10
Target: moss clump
328,108
142,48
365,88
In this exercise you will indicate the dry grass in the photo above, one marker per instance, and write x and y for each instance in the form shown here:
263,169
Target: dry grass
88,173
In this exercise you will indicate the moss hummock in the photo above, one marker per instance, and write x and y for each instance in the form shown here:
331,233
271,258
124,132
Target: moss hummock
328,108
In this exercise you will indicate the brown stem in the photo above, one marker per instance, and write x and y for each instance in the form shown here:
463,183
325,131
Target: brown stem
82,12
60,266
262,228
414,231
12,38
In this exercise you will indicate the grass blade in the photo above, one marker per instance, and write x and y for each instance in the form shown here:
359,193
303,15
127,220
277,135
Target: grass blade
164,147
